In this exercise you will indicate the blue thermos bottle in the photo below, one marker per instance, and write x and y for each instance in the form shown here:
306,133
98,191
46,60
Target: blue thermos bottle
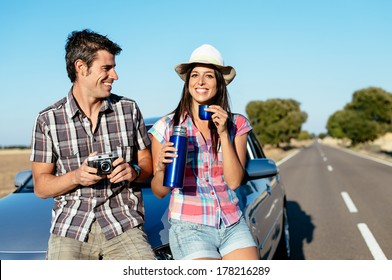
175,171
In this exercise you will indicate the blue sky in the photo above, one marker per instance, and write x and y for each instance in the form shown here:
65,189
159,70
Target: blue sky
316,52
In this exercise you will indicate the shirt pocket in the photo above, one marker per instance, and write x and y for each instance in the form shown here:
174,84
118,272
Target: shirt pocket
125,148
71,157
127,152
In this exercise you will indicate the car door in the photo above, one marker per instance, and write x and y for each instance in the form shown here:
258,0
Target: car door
262,202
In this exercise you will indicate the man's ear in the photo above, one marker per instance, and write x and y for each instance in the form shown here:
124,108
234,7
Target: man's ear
81,67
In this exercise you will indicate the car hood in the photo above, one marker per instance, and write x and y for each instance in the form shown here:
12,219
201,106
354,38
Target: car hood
23,216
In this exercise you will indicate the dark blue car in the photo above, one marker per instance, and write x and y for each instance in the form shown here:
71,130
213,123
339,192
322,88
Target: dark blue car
25,219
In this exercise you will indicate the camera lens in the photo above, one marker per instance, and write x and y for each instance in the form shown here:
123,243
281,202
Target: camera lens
106,166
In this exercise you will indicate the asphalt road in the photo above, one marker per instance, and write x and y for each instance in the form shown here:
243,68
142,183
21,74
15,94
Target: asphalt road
339,205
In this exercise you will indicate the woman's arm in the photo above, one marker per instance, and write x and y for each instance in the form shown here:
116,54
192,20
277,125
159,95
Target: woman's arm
233,154
161,154
234,157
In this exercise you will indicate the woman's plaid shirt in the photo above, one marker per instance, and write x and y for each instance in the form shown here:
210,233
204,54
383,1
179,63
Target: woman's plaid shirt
205,198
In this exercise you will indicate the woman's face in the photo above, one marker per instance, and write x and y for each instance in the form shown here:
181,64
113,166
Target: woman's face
202,84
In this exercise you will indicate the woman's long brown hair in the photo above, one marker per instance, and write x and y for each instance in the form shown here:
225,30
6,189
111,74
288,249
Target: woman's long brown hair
221,98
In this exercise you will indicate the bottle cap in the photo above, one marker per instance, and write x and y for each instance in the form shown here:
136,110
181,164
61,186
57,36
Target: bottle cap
179,130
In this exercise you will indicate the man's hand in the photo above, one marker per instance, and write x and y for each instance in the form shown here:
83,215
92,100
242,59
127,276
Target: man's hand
122,171
86,175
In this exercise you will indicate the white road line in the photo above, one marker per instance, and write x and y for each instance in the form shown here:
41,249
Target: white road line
330,168
371,242
385,162
287,158
349,203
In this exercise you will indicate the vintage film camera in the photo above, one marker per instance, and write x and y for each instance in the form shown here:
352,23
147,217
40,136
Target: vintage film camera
103,162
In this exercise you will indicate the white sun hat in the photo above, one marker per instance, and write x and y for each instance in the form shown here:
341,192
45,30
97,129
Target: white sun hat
207,54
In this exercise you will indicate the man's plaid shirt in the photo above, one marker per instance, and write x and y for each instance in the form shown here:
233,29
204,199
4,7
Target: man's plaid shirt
62,135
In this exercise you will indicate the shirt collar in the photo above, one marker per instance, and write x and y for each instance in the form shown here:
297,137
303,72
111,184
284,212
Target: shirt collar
74,107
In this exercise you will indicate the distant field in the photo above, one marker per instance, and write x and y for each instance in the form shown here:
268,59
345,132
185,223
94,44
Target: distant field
11,162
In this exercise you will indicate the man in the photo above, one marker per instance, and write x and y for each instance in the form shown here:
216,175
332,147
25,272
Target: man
96,214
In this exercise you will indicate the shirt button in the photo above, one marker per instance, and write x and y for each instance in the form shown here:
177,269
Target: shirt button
212,193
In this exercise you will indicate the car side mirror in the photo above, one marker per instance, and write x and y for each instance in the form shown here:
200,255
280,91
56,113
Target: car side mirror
260,168
22,177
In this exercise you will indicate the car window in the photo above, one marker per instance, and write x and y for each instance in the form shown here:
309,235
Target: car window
254,147
27,187
148,126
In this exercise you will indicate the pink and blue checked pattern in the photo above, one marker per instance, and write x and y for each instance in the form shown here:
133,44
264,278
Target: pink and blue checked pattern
205,198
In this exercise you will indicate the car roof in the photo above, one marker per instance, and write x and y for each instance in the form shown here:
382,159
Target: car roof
150,121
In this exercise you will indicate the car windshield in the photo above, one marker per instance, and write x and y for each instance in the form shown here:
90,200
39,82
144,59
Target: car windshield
28,187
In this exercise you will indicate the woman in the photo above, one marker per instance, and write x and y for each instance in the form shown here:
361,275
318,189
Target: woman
206,222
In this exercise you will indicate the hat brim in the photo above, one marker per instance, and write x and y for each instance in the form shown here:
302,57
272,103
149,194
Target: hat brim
228,72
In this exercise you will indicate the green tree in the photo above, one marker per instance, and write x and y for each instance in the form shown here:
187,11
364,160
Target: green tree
276,121
367,116
322,135
335,124
305,135
373,104
358,129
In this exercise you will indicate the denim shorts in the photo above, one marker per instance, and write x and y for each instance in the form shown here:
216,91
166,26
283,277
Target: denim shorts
192,241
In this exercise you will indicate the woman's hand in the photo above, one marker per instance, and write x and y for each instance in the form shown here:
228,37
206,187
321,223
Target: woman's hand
162,154
165,156
219,118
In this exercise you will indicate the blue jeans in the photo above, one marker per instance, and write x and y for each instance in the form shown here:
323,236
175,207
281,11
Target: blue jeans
192,241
